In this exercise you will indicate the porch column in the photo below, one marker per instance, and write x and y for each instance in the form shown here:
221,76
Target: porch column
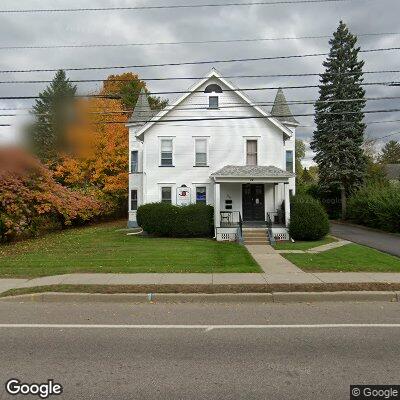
287,204
217,204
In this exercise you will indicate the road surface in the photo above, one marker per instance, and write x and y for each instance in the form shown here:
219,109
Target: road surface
125,361
382,241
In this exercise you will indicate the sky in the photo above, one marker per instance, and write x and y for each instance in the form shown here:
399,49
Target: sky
201,24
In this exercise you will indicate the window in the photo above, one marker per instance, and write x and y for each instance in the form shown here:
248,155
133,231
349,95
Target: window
213,88
251,150
166,152
134,202
166,194
201,194
201,152
289,161
213,102
134,161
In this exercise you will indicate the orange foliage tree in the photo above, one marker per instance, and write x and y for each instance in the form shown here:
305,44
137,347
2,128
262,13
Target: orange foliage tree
98,142
29,196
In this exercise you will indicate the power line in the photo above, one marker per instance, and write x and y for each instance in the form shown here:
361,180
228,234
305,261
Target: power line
230,106
117,97
295,56
167,7
92,45
199,77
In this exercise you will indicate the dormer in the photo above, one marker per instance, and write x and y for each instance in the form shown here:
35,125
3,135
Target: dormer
213,92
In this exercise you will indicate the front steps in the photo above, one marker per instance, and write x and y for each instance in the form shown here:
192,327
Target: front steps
255,236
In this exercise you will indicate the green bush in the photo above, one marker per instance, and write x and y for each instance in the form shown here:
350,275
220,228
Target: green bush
195,220
308,219
376,206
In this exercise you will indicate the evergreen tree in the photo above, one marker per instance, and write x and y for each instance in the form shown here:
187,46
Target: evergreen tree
390,153
52,112
340,129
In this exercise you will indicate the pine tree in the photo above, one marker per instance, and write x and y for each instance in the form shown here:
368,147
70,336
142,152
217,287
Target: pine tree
340,129
390,153
52,112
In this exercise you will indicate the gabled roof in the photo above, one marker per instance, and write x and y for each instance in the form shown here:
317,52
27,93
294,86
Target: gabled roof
213,74
142,110
252,171
281,111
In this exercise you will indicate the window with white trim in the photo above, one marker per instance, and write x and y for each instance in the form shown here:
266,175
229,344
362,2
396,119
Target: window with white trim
134,200
251,152
289,160
166,152
201,194
213,102
134,161
166,194
200,145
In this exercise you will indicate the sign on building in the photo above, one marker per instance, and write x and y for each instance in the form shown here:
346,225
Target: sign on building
183,196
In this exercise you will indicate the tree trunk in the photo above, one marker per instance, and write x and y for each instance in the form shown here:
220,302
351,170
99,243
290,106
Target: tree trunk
344,202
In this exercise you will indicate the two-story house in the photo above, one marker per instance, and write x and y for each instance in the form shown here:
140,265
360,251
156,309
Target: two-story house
214,145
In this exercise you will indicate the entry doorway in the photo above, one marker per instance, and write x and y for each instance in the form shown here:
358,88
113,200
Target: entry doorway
253,202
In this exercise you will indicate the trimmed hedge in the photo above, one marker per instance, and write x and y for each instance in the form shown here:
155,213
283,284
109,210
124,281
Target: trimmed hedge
377,207
308,219
195,220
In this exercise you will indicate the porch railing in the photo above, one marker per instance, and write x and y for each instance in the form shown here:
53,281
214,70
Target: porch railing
230,219
276,218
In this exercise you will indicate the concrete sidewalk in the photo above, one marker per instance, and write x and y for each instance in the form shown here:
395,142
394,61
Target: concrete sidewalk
295,278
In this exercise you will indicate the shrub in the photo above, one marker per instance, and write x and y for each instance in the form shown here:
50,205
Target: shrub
376,206
195,220
308,219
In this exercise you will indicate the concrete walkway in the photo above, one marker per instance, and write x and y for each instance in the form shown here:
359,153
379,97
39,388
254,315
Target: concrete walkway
386,242
318,249
284,276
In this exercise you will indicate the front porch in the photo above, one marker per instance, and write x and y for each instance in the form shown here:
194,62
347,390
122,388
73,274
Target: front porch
251,197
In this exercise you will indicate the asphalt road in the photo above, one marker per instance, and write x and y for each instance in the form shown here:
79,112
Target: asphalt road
97,362
389,243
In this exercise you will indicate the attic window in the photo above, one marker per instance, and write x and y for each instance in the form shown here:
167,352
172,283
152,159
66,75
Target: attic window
213,88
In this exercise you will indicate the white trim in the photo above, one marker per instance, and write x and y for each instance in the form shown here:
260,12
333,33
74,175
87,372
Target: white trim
213,74
207,186
251,138
207,139
165,185
160,139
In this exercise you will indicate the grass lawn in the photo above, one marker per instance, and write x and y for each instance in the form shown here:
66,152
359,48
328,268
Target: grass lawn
351,257
102,248
300,245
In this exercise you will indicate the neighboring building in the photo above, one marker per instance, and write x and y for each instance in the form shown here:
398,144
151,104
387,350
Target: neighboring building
240,161
392,172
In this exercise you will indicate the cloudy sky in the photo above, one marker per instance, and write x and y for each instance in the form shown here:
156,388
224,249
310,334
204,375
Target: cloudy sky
201,24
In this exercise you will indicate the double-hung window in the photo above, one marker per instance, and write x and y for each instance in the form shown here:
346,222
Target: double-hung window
166,152
251,152
201,194
213,102
166,194
289,160
201,152
134,200
134,161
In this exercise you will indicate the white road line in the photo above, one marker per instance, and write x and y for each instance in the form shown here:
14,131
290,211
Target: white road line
194,327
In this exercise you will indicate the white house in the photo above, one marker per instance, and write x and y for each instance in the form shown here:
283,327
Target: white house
214,145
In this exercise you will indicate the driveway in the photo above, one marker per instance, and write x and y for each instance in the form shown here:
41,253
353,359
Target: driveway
382,241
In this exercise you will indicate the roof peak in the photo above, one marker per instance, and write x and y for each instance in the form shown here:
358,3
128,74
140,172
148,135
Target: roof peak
281,110
142,111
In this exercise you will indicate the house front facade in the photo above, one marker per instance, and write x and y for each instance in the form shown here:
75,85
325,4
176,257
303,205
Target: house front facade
214,146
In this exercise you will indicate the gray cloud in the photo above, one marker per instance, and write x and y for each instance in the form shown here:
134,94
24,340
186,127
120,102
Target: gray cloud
200,24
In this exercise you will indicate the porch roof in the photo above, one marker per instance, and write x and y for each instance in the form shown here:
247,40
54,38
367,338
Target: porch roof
252,172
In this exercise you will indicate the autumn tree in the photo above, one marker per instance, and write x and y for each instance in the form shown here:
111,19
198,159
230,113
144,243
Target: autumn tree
99,140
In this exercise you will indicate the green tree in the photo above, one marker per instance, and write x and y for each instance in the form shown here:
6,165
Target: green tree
338,138
128,87
390,153
300,152
52,112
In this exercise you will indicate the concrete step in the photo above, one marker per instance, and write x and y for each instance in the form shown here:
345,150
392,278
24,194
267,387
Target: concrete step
252,242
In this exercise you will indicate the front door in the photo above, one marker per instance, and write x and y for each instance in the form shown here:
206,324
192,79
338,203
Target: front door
253,202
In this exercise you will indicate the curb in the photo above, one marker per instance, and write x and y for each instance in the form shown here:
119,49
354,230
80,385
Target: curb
142,298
